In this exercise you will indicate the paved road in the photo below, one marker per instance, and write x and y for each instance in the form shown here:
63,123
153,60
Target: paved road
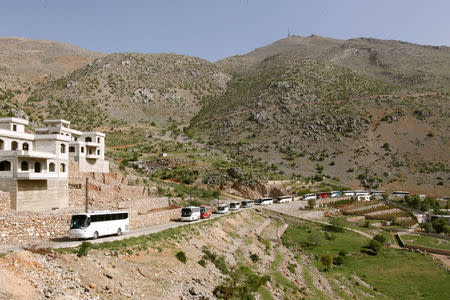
68,243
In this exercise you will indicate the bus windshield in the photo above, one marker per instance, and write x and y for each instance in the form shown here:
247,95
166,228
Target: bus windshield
232,205
186,212
79,222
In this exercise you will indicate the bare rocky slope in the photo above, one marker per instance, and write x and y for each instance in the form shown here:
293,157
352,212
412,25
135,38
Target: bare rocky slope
132,88
395,62
36,60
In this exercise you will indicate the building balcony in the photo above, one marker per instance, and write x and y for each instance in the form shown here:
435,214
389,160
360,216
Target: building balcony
93,156
27,175
92,144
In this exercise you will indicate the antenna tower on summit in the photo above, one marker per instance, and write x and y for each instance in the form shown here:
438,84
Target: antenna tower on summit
289,32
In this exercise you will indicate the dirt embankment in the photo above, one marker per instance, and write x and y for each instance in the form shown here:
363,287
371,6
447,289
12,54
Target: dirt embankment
151,270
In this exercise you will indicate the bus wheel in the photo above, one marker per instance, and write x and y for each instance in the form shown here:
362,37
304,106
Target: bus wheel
95,235
119,231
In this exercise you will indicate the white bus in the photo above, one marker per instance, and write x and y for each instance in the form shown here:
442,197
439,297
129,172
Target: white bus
222,208
234,205
284,199
310,197
99,223
264,201
247,203
190,213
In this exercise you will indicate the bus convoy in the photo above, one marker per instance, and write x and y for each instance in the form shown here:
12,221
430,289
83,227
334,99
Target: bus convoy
92,225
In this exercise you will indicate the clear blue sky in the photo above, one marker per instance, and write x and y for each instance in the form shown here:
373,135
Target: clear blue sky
214,29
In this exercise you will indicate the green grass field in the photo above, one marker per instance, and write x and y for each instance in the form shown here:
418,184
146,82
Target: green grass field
426,241
397,274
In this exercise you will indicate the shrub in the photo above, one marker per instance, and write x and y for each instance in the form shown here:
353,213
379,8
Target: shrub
375,246
380,238
337,224
428,227
291,268
242,284
202,263
84,249
338,260
327,261
181,256
254,257
438,225
311,203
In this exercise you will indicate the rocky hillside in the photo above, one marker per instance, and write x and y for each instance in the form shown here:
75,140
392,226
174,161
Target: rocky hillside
246,255
36,60
131,87
395,62
320,120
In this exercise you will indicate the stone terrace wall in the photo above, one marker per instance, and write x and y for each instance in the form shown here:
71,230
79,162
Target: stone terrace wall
156,218
28,228
5,201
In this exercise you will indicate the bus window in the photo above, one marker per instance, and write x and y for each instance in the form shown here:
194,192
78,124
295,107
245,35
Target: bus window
79,222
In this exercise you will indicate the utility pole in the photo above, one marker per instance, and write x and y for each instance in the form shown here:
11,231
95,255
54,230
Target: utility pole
87,194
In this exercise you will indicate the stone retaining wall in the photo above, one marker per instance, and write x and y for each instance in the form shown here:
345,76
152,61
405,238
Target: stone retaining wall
422,248
156,218
383,212
28,228
5,201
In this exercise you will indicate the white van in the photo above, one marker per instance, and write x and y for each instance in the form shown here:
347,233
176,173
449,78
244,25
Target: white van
284,199
234,205
222,208
99,223
190,213
310,197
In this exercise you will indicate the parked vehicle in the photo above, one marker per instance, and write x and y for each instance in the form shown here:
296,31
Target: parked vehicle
323,195
363,198
247,203
234,205
99,223
223,208
190,213
399,194
335,194
285,199
264,201
309,197
205,212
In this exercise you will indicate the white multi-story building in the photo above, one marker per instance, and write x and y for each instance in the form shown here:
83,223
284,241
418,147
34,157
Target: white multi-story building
34,167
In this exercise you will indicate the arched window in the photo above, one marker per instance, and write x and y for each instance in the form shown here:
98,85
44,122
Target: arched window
24,166
71,149
98,152
82,149
2,145
25,146
88,139
14,145
98,140
51,167
62,168
5,166
37,167
63,148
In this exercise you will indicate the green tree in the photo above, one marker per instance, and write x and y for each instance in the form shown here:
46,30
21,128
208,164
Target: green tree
439,225
311,203
327,261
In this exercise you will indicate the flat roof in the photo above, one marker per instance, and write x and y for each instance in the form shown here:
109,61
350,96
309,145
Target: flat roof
14,120
98,133
57,121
